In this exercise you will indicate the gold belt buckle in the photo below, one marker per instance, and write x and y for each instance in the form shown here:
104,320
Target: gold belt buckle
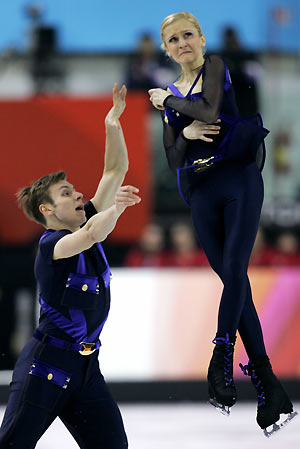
87,348
204,163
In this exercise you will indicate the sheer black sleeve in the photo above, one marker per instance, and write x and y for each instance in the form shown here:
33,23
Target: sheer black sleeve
207,108
175,146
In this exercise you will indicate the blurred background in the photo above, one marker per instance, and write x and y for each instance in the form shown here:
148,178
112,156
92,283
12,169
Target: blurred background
58,62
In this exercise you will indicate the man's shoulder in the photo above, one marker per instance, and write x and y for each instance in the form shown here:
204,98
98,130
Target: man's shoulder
52,236
47,244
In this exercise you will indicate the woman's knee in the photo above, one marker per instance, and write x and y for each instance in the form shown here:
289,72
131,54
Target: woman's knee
234,272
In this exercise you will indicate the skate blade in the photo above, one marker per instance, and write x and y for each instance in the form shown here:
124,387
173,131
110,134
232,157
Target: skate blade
278,426
224,409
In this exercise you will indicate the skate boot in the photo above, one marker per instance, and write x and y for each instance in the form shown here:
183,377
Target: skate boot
221,387
272,399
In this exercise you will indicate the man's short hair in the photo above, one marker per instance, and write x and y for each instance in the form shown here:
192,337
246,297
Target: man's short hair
30,198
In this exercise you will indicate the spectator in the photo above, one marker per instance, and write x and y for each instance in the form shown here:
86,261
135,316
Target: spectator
148,66
287,250
184,250
150,250
244,71
45,67
262,253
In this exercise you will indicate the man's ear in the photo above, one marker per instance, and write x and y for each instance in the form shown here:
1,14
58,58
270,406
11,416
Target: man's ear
46,209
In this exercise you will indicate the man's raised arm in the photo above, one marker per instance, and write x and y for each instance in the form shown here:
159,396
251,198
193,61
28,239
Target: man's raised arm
116,157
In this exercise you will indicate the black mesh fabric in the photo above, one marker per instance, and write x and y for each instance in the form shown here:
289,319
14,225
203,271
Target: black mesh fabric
207,107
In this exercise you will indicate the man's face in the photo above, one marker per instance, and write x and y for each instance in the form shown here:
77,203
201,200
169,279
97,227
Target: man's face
67,210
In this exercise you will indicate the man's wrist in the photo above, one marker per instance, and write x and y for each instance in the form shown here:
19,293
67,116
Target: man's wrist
119,209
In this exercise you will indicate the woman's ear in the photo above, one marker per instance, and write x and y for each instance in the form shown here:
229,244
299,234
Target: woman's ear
203,40
163,47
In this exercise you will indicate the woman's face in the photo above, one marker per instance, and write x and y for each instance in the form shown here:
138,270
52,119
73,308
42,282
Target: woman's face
183,42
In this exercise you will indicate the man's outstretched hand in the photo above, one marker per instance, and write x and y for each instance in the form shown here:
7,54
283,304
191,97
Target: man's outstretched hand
125,197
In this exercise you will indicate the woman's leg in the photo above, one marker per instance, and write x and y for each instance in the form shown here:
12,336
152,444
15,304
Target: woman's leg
209,224
242,209
226,230
230,260
250,328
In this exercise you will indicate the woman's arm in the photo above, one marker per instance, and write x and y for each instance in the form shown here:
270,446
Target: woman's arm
206,108
176,146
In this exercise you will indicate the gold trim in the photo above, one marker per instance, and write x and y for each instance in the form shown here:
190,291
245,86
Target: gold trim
87,348
203,163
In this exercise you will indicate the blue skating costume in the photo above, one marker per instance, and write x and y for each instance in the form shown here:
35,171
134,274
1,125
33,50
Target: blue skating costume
222,183
57,373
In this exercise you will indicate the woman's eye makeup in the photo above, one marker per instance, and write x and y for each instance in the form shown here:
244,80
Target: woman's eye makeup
175,38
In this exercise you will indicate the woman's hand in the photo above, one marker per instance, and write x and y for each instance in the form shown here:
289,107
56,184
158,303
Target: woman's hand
119,104
126,196
197,130
157,97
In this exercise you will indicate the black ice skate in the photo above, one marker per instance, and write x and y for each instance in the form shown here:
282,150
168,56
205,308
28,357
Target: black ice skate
272,399
221,387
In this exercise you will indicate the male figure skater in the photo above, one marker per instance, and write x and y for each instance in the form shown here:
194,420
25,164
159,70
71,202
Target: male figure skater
57,373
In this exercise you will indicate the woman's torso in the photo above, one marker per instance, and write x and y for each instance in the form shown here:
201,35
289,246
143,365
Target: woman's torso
228,108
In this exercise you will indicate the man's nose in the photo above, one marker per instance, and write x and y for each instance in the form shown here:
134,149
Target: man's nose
78,195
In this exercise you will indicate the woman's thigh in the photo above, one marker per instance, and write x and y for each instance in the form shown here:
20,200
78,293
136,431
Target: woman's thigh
242,209
208,221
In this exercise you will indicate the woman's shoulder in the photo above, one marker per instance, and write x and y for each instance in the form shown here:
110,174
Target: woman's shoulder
213,59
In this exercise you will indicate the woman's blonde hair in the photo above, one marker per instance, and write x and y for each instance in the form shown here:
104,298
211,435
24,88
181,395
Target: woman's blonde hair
177,16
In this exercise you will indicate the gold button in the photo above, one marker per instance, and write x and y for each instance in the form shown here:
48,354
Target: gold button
50,376
110,277
84,287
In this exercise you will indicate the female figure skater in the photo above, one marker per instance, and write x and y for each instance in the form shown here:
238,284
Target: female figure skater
57,373
222,183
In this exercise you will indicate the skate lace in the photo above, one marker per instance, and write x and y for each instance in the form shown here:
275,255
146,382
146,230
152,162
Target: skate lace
227,357
249,370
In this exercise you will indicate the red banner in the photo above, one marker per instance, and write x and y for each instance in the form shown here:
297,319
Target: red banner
42,135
